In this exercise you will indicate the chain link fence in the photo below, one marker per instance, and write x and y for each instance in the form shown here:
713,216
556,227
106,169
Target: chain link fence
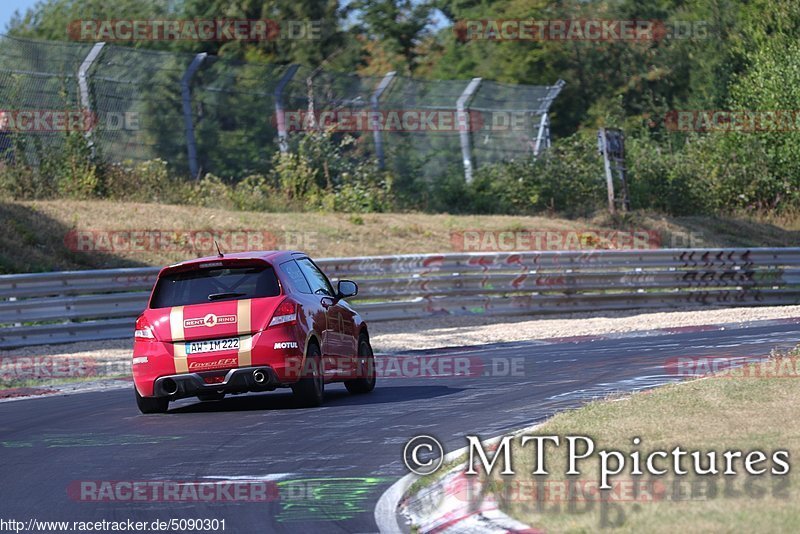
204,113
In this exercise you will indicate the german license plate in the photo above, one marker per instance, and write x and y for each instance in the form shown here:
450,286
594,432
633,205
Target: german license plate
212,345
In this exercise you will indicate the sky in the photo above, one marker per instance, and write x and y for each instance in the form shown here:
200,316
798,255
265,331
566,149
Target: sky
7,8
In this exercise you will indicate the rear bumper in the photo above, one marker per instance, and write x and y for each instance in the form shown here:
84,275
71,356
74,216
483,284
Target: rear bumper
238,380
278,349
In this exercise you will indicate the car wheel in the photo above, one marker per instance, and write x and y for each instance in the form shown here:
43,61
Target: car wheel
151,404
310,389
366,369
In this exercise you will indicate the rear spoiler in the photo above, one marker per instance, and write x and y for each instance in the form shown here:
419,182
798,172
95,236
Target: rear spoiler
207,263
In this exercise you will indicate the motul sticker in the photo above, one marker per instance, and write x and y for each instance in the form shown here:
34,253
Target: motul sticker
209,320
285,345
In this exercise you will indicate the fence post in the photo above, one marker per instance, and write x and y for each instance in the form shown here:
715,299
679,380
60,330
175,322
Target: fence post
552,93
602,142
186,98
464,124
611,142
83,86
376,132
543,136
283,138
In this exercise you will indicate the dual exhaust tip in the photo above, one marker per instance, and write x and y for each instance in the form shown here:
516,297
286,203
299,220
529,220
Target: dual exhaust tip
170,387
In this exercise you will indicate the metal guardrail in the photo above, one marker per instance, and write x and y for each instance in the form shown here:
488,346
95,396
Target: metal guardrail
59,307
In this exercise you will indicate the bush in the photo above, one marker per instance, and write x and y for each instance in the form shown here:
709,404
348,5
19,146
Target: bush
675,182
326,171
147,181
295,177
362,193
39,168
255,193
679,175
210,192
566,179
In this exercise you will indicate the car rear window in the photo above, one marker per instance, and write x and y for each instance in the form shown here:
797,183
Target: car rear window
217,284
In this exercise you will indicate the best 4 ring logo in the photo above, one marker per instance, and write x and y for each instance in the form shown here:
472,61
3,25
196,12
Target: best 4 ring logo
209,320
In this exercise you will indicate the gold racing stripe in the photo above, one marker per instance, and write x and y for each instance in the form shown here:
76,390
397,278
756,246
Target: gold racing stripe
246,342
177,333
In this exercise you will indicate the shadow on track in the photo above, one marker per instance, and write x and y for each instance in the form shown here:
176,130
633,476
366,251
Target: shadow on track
284,400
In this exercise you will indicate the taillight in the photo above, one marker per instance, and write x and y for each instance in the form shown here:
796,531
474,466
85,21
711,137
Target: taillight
286,313
144,330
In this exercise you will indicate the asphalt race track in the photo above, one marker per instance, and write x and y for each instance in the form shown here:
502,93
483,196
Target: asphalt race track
348,452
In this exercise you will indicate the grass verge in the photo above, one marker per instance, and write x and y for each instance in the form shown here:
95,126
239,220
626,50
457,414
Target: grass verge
748,412
35,236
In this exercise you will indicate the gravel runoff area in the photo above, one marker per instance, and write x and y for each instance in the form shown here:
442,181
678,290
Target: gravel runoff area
448,331
480,330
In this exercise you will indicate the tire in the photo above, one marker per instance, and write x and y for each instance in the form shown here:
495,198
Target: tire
309,391
151,404
211,397
366,369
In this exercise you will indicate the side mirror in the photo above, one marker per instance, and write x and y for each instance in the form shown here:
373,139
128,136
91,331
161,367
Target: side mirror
346,288
327,302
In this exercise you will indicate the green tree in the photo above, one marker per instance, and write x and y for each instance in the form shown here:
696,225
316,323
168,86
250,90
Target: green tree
398,26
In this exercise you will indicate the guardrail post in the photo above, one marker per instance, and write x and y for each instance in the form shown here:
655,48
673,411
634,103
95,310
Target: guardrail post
283,138
464,124
186,98
375,102
83,86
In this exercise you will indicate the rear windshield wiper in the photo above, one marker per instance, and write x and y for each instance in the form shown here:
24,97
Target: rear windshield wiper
225,295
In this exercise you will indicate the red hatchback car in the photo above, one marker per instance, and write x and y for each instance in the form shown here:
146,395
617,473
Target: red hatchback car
251,321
